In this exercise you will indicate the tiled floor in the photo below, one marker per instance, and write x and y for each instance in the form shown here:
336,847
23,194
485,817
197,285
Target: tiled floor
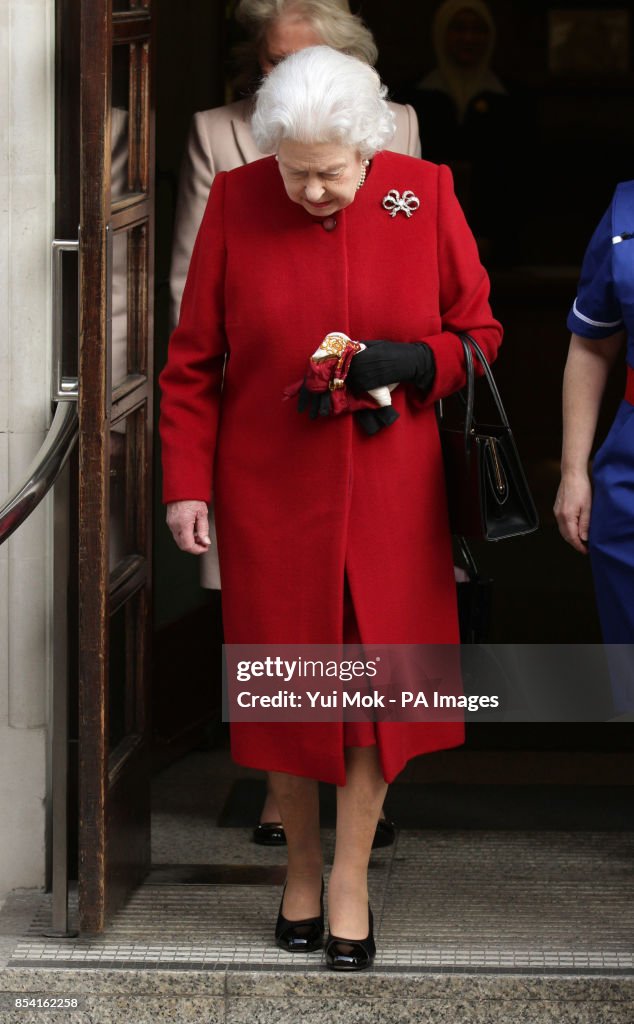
478,900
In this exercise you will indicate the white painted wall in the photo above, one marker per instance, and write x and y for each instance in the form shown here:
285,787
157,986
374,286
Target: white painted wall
26,230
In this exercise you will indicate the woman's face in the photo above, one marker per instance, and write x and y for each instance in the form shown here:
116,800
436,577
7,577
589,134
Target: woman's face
322,176
287,35
467,38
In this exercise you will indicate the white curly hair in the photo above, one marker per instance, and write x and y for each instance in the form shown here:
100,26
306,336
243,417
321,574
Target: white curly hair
321,95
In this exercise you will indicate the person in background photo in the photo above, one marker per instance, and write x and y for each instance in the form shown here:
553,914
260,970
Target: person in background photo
332,526
597,516
467,120
221,139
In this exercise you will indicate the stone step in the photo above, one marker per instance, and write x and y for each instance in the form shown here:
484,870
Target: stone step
239,994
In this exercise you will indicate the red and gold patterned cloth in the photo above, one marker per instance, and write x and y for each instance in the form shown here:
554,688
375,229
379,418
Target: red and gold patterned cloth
326,374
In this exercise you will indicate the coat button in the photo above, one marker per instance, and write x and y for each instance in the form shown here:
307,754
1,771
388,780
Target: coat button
329,224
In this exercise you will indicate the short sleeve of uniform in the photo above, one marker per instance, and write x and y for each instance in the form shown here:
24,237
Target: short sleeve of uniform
596,311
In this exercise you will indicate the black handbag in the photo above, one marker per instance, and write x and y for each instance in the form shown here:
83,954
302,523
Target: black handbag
487,492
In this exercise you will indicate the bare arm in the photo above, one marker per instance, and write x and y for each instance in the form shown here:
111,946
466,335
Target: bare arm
587,368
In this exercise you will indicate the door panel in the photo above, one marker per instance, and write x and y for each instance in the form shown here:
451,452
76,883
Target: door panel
115,453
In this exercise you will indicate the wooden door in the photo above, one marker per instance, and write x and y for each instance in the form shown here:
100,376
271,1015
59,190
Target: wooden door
115,450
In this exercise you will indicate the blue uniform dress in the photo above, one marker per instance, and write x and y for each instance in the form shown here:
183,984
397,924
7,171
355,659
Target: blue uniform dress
603,306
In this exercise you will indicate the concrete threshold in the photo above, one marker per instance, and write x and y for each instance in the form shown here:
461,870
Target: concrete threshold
471,928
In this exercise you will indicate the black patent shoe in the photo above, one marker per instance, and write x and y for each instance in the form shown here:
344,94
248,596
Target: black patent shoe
351,954
385,833
303,936
269,833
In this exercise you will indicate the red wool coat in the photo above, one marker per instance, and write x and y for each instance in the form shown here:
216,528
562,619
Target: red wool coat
300,502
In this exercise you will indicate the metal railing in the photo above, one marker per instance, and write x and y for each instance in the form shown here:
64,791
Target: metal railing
43,471
63,431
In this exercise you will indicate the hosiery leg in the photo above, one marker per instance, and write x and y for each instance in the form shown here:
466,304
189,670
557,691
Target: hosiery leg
359,805
270,810
298,801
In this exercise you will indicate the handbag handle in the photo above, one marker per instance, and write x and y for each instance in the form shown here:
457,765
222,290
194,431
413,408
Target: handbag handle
469,561
467,343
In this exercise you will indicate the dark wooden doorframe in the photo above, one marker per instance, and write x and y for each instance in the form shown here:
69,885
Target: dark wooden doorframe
115,414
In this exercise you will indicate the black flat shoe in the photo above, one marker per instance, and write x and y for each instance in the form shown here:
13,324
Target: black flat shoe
300,936
269,833
351,954
385,833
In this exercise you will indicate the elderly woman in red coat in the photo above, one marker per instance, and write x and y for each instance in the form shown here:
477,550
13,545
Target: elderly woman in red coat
330,529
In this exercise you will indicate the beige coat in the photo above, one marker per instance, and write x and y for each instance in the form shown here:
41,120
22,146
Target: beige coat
220,140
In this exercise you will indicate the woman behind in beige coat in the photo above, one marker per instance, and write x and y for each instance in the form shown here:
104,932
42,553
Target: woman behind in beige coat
220,140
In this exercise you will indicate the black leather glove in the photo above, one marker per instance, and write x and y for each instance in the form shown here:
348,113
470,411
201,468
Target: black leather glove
373,420
389,362
316,402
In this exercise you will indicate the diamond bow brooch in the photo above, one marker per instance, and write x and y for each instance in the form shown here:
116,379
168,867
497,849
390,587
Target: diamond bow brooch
406,203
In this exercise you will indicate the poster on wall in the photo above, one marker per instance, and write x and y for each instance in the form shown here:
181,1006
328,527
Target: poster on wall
595,41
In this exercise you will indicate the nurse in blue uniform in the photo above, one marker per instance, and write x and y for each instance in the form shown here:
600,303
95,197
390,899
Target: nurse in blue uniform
598,516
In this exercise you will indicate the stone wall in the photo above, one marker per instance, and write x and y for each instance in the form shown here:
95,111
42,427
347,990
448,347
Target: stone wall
26,230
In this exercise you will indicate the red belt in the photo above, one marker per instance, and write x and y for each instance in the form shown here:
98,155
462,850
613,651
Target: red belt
629,386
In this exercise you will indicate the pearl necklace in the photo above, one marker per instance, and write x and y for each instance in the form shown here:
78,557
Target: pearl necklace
364,167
